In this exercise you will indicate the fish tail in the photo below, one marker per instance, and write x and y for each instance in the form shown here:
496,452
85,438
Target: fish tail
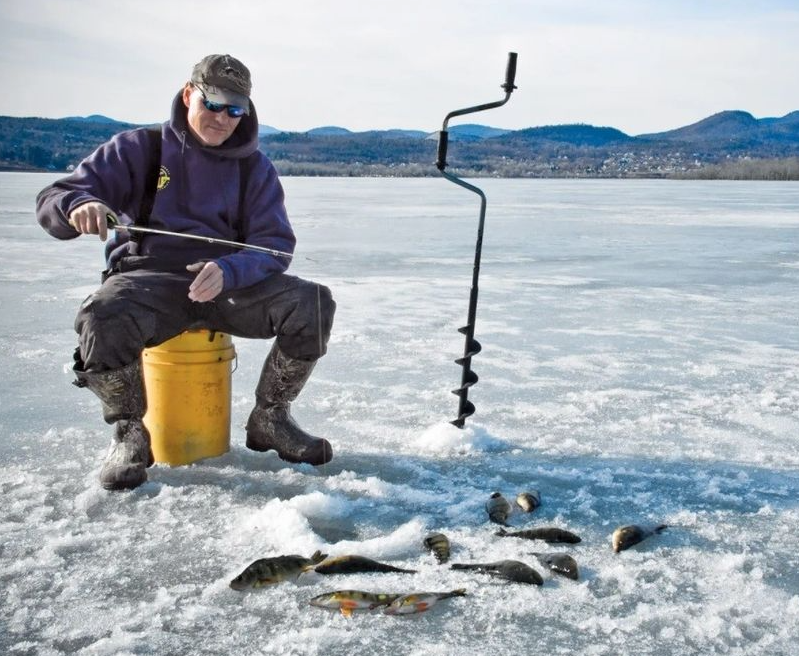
660,528
460,592
318,557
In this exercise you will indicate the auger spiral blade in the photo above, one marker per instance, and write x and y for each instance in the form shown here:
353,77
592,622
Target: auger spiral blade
472,346
465,409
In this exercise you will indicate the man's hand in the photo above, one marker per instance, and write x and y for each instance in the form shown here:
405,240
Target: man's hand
91,219
208,283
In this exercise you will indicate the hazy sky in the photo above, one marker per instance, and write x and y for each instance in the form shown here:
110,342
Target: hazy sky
637,65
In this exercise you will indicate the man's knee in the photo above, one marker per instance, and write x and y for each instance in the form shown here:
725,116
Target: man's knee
306,330
110,334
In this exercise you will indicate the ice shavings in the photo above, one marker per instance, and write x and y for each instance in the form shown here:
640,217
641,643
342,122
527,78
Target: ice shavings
446,439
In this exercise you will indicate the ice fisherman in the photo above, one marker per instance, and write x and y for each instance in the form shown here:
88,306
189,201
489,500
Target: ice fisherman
200,173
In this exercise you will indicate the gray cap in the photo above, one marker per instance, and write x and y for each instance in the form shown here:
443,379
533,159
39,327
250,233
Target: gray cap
223,79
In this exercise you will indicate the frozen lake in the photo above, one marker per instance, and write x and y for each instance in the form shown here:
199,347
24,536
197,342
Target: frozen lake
640,364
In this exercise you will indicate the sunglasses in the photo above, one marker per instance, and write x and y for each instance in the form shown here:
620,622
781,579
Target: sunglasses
234,111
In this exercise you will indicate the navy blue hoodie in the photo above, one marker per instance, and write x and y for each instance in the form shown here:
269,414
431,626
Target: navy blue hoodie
201,197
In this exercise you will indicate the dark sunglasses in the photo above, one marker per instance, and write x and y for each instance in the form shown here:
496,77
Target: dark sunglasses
234,111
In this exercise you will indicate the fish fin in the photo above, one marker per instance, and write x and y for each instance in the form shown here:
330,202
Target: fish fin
421,606
346,612
661,528
501,532
460,592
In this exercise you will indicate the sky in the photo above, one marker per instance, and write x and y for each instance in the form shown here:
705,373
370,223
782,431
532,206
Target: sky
637,65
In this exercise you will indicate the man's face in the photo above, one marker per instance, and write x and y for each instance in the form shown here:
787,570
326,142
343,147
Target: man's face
209,128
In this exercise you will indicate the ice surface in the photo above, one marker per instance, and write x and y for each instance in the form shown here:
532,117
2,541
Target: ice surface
640,364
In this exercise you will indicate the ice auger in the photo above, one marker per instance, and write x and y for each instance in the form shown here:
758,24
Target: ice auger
471,346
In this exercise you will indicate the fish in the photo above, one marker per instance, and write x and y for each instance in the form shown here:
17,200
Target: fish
550,534
528,501
498,508
347,601
438,544
560,563
511,570
268,571
625,537
356,565
418,602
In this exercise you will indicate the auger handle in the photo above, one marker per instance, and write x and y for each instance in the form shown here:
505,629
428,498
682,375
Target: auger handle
510,73
441,158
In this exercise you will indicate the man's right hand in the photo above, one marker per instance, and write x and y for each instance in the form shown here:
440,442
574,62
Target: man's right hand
91,219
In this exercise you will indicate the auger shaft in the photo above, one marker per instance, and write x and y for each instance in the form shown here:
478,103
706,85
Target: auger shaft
471,345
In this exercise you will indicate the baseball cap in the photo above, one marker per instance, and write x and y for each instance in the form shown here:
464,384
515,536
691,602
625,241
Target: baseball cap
223,79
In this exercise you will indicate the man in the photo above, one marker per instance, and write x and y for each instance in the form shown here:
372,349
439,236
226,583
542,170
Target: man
213,182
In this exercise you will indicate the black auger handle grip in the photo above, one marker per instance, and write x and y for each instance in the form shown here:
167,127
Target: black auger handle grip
441,158
510,73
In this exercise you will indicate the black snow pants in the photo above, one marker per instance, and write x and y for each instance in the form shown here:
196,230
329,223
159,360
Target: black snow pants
139,308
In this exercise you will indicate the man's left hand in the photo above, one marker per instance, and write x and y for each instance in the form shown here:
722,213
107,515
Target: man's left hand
208,283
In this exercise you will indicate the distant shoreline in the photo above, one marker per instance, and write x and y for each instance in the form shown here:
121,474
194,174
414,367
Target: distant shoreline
697,175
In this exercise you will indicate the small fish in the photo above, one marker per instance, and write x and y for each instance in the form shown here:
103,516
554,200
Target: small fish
625,537
560,563
547,534
268,571
347,601
498,508
356,565
418,602
438,543
511,570
528,501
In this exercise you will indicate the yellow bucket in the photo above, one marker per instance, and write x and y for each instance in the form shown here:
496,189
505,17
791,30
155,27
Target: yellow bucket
188,384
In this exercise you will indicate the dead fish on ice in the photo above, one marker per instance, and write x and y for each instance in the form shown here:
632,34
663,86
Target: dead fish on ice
498,508
356,565
560,563
438,544
511,570
347,601
268,571
625,537
418,602
528,501
550,534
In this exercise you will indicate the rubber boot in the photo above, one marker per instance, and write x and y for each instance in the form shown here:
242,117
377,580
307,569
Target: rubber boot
271,425
121,392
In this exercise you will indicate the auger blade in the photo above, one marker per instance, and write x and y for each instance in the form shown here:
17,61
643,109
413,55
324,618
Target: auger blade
466,410
472,347
469,379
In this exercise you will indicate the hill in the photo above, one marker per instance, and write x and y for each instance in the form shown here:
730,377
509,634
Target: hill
724,144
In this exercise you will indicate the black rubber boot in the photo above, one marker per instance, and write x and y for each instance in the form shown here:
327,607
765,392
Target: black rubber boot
121,392
271,425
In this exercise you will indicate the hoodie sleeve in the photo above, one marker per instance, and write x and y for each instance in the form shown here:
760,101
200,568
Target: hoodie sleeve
114,174
267,225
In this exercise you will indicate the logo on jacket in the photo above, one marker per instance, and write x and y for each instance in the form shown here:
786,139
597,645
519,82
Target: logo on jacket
163,178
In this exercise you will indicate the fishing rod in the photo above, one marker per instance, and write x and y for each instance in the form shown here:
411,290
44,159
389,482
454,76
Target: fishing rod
114,223
471,345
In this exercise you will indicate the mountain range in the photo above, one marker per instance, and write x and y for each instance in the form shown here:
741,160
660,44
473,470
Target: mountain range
727,141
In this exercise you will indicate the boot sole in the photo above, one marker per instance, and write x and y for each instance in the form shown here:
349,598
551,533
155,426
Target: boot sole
129,484
326,456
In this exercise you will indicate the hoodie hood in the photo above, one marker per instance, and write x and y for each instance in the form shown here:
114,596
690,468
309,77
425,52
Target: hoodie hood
242,143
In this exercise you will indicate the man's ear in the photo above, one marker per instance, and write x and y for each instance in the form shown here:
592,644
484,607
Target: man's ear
187,93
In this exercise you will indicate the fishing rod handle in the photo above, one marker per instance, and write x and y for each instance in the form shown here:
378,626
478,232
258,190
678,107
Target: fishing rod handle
510,73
